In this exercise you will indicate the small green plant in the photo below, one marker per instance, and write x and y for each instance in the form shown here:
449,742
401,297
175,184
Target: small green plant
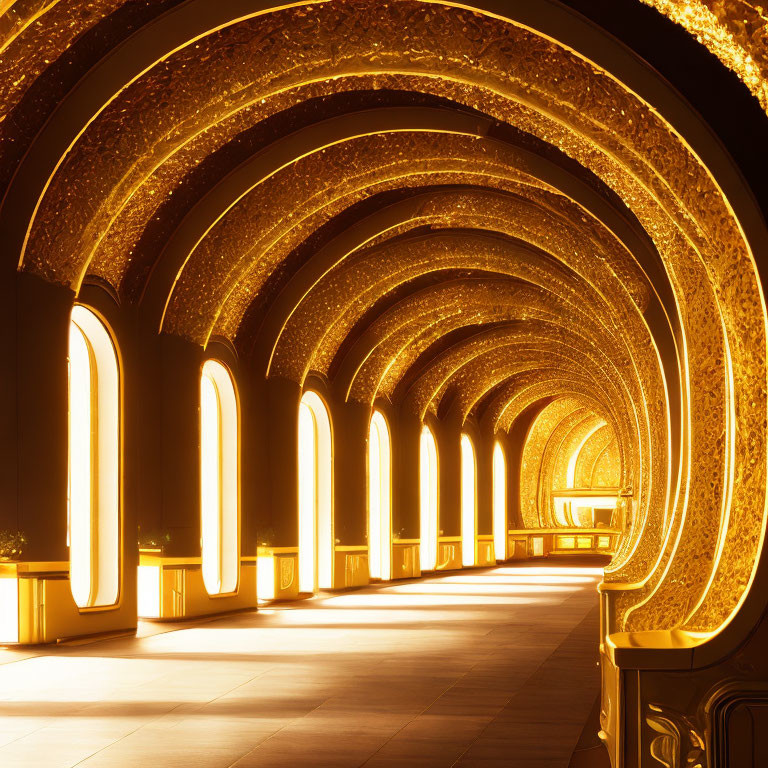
11,545
153,539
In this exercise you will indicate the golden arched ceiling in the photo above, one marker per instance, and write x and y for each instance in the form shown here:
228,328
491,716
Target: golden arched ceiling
598,448
543,442
605,470
466,214
572,444
736,32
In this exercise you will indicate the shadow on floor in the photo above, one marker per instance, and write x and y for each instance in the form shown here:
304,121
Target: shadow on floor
590,751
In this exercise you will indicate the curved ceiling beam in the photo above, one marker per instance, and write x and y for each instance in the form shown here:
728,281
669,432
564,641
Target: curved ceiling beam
589,452
329,309
472,392
571,448
149,45
341,247
194,19
524,393
203,216
502,370
578,191
435,376
519,344
510,299
576,352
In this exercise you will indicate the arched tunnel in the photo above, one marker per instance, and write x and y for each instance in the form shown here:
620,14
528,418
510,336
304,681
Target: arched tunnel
302,299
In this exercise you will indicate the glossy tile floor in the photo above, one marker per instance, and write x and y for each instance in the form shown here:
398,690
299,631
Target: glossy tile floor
477,668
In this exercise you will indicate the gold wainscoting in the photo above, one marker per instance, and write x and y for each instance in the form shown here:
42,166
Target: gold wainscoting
448,553
45,611
350,566
485,551
405,559
171,588
277,571
540,542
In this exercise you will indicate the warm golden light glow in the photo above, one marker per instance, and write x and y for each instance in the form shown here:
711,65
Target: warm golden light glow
733,31
428,507
468,500
580,510
510,218
571,471
219,481
265,577
9,610
499,502
315,495
94,462
148,591
379,498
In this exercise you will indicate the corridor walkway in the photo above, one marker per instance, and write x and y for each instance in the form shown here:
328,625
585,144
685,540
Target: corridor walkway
481,668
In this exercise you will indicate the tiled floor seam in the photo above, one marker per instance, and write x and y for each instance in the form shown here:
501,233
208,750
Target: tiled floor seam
572,597
163,715
587,617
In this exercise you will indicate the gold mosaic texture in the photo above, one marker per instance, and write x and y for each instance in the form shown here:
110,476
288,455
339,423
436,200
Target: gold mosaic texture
539,435
557,445
389,362
327,314
404,332
571,362
574,245
519,341
606,471
590,453
474,379
33,35
309,321
530,82
431,159
530,389
329,185
736,31
572,442
525,389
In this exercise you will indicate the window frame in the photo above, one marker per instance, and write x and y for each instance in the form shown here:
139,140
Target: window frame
96,360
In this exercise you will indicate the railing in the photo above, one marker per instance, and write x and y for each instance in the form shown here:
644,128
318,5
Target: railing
539,542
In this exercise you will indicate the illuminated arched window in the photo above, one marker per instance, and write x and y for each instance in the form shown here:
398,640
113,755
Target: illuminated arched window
468,501
499,502
379,498
315,495
219,485
93,530
428,499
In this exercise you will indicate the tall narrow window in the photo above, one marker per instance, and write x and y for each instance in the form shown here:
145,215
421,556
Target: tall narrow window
379,498
315,495
468,501
219,487
499,502
93,507
428,499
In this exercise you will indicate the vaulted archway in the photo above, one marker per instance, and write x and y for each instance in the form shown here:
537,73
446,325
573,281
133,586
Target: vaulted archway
415,238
